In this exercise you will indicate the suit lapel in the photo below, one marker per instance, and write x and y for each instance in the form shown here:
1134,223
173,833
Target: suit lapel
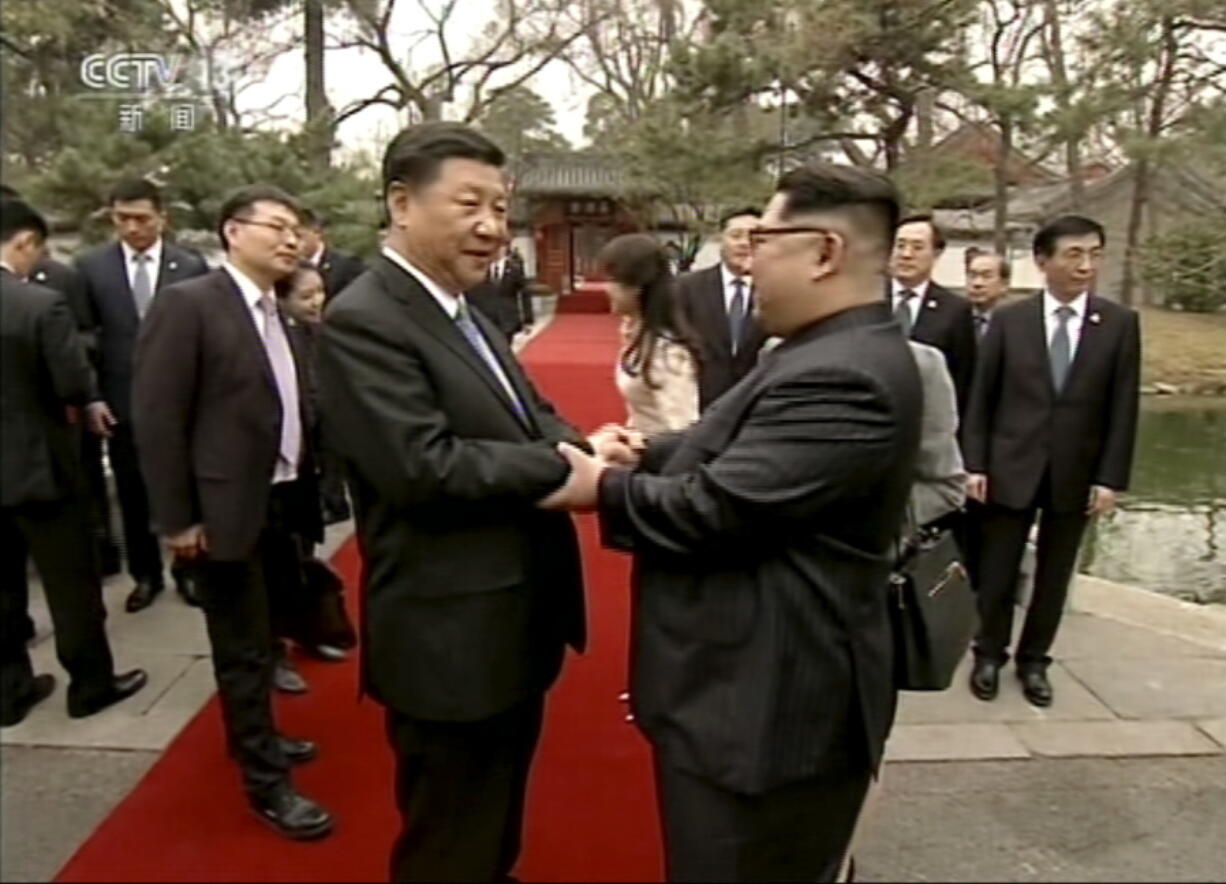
432,317
927,314
236,304
510,367
1036,332
718,311
119,279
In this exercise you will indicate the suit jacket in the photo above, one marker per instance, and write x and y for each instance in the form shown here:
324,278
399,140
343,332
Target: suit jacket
701,302
44,368
470,590
1018,428
940,478
761,649
208,414
68,282
110,299
946,321
338,270
505,301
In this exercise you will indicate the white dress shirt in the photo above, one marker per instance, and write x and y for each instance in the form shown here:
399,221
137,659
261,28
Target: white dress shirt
921,292
729,278
1075,322
284,471
154,265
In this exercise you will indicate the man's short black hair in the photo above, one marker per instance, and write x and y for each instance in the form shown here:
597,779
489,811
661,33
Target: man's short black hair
131,190
415,155
1006,269
738,213
240,202
1066,225
9,193
938,235
18,216
870,198
311,218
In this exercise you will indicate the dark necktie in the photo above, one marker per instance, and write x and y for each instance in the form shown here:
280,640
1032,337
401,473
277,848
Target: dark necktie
903,311
736,313
981,324
466,324
142,284
1061,350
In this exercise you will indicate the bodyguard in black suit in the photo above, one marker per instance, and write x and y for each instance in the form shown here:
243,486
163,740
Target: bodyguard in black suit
930,313
122,280
471,593
337,268
761,659
1051,427
219,399
44,511
503,297
717,303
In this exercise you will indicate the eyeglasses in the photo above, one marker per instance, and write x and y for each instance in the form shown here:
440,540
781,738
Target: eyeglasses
759,235
283,229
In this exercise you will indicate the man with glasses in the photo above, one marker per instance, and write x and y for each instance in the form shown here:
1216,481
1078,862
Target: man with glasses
220,394
762,651
122,279
717,303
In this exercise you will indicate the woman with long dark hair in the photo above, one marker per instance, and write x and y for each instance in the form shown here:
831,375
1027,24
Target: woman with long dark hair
656,369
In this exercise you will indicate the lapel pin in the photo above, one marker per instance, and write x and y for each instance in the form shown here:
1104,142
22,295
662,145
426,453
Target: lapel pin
932,305
41,276
1095,318
172,266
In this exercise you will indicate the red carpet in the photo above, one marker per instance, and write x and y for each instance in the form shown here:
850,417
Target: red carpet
591,810
587,298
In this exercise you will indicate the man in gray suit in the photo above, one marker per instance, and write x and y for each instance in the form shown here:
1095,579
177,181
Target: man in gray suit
762,656
44,513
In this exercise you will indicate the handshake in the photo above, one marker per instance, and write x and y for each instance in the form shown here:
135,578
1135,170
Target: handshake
614,445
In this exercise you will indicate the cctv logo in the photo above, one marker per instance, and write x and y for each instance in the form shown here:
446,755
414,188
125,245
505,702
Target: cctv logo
130,72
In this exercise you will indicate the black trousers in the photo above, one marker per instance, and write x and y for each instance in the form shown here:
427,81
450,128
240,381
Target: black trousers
798,832
57,536
460,788
1002,535
141,545
99,498
239,599
331,479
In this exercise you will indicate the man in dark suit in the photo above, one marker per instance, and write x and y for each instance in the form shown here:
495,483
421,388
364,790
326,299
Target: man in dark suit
762,658
44,511
122,280
337,268
987,284
717,303
65,280
219,406
1051,427
503,295
930,313
471,593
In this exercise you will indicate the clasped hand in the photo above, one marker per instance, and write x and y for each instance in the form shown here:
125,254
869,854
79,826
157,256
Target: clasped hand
614,445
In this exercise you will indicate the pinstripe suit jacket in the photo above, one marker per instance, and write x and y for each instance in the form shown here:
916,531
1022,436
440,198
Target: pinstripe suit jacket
761,647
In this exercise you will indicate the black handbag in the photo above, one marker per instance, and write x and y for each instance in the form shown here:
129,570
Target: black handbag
933,610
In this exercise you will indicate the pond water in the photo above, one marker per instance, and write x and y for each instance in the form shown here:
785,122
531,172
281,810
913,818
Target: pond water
1169,534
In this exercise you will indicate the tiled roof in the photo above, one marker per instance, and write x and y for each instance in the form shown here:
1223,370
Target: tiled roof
566,174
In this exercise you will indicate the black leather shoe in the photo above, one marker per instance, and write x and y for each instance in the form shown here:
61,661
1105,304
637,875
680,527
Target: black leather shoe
122,687
298,751
293,815
186,586
336,512
142,596
1035,685
985,679
43,687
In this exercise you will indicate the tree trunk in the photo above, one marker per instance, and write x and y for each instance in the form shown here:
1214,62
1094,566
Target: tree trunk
1143,177
318,111
1059,72
1000,177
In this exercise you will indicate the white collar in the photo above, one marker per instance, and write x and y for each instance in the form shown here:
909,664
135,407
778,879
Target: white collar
1078,304
920,290
318,257
449,302
728,277
251,292
5,265
154,252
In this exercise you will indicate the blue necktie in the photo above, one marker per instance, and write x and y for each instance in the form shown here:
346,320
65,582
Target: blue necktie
1061,351
736,313
464,320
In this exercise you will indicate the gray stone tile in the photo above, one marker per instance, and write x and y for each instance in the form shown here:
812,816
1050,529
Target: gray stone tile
957,704
1156,688
1216,728
1085,636
953,742
1068,739
168,626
